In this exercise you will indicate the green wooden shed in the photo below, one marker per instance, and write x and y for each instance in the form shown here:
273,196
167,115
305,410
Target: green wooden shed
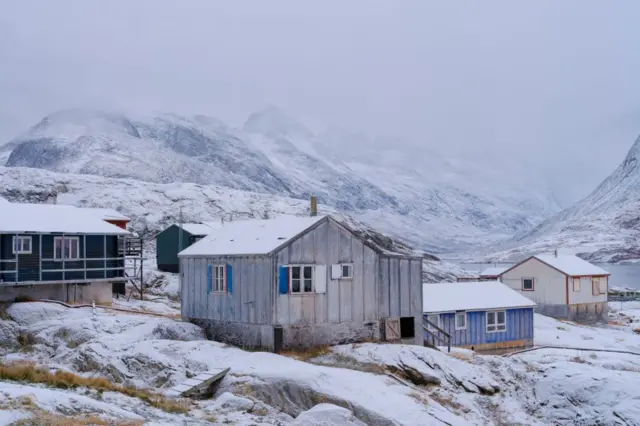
168,243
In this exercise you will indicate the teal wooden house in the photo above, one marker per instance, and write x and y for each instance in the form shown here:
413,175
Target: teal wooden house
173,240
59,252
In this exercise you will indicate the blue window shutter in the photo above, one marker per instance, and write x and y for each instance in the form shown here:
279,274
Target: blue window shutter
283,288
229,279
209,278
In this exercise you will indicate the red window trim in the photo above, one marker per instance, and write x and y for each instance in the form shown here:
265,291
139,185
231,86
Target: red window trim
533,281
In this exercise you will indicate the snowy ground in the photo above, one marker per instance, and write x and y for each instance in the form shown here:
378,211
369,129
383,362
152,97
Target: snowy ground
546,386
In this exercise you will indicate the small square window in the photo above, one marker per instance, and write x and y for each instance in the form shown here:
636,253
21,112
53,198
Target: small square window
496,321
347,270
527,284
461,321
301,279
576,284
21,245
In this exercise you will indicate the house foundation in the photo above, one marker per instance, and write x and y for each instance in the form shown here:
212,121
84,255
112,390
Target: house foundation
586,313
76,293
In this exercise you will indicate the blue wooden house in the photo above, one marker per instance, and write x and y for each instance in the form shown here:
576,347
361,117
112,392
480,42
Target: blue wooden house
59,252
481,316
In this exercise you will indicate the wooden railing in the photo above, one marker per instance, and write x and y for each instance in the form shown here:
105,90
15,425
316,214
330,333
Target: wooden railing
434,334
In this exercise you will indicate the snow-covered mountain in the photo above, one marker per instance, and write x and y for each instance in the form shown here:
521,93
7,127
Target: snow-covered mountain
152,206
435,203
604,226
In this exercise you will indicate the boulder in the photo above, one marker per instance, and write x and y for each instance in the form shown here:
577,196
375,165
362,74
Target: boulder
327,415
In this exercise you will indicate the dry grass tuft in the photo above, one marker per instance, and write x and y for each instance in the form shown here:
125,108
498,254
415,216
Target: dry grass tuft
28,372
305,354
460,356
48,419
578,359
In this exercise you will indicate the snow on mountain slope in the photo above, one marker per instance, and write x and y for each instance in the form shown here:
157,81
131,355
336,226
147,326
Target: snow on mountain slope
153,206
604,226
438,204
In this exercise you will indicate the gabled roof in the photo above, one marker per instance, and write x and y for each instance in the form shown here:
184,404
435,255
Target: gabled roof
53,218
251,236
471,296
567,264
197,229
493,271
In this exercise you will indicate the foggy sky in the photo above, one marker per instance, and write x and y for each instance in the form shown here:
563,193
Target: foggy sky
553,84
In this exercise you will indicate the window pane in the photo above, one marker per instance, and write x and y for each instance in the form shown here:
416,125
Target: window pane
501,317
295,272
346,270
308,286
491,317
26,244
74,249
295,286
307,272
502,327
491,328
460,320
58,248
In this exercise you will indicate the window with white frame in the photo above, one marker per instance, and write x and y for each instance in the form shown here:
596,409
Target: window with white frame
527,284
66,248
342,271
576,284
496,321
21,245
595,286
461,320
301,279
347,270
219,275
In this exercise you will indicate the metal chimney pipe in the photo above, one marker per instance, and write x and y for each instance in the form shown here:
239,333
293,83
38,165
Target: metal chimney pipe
314,205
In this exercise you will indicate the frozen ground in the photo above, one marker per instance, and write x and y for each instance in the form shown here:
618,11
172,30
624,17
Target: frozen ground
547,386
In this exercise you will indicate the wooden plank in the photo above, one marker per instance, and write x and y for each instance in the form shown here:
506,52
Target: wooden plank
383,288
405,288
369,287
359,267
394,287
321,257
333,286
345,247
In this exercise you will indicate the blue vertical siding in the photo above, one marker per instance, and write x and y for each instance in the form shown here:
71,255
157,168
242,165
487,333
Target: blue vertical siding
519,327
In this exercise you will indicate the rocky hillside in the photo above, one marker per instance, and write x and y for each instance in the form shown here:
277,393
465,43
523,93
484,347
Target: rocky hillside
604,226
439,204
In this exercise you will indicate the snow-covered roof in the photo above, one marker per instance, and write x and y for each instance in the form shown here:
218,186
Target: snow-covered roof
570,264
104,214
493,271
197,228
53,218
251,236
471,296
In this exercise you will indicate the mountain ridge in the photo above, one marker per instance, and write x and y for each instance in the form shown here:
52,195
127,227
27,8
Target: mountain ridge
441,204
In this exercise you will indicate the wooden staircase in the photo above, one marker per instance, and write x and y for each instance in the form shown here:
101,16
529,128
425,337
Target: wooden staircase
434,335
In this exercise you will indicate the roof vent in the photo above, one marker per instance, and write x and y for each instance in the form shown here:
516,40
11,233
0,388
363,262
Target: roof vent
282,238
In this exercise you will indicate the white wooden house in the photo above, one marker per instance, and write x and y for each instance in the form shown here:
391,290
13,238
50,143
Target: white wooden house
562,285
299,281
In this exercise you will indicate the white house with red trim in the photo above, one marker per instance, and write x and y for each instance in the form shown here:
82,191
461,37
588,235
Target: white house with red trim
562,285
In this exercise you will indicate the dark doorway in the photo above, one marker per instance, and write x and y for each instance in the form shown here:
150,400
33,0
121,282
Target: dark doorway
407,328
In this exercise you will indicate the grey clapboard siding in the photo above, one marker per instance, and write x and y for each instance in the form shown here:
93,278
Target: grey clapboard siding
350,310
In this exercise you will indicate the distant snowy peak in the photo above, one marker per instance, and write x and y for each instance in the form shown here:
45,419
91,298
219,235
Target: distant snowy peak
274,122
604,226
73,123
